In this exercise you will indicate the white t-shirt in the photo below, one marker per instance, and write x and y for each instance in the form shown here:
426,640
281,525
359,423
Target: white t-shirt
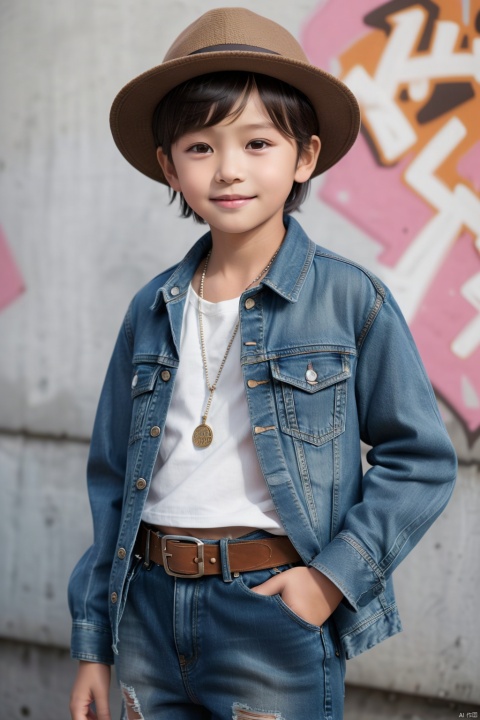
220,485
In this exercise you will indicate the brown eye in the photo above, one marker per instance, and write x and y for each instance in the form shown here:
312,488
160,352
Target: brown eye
200,148
257,144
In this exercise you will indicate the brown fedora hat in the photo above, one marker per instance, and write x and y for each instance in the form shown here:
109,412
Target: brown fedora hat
232,39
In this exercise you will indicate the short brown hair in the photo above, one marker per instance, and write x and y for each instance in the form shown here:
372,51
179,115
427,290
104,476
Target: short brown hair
206,100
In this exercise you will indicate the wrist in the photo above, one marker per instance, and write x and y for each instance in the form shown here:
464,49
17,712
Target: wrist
331,594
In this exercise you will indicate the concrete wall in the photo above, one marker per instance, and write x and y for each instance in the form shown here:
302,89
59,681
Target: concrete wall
85,231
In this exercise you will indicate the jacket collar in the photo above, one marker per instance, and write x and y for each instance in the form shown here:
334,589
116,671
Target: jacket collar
286,276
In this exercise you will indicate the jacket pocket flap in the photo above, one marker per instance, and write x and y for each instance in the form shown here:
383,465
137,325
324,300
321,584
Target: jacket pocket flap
144,378
312,372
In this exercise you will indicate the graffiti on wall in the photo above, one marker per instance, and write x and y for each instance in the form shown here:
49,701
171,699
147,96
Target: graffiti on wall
11,282
412,181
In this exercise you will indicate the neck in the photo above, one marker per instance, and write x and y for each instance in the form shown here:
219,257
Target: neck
235,261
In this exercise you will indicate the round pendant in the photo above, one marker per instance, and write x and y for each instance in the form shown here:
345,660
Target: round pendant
202,436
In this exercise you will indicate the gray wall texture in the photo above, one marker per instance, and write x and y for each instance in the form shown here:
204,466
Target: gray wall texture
86,231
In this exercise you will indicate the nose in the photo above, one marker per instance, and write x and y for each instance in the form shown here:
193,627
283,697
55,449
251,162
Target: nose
229,168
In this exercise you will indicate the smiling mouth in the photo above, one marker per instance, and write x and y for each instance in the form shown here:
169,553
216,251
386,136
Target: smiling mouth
232,197
232,201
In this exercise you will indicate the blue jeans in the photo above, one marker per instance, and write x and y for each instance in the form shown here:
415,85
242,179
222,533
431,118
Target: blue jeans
211,649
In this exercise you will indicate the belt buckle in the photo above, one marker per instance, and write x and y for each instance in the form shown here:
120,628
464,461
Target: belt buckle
200,554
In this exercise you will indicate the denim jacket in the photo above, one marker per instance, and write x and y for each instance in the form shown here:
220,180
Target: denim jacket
313,311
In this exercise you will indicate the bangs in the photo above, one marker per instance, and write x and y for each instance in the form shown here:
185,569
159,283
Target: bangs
200,102
207,100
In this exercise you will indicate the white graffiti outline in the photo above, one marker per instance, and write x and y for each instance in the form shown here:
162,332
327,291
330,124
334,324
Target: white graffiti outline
468,340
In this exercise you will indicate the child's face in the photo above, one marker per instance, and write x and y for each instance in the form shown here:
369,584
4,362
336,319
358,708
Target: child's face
238,174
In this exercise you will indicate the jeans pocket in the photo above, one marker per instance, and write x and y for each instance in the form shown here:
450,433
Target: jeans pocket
249,580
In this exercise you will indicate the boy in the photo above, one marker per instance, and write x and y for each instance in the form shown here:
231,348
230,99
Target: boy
240,555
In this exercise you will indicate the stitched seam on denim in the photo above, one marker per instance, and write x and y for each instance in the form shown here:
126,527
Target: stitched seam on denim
306,266
90,577
377,306
91,627
306,482
145,385
310,389
379,287
287,610
91,657
155,360
316,440
297,351
355,629
168,273
335,487
293,295
150,400
127,326
361,551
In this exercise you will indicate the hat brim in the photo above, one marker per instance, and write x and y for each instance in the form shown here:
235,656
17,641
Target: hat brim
133,108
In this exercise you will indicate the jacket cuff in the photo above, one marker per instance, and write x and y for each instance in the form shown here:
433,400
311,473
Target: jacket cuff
347,564
92,643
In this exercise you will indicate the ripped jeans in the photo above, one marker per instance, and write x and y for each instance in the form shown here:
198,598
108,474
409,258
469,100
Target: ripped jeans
211,649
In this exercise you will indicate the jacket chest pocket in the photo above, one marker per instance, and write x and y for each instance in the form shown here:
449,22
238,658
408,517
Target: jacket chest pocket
143,383
311,395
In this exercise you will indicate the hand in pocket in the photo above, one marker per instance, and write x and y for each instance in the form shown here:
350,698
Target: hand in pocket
306,591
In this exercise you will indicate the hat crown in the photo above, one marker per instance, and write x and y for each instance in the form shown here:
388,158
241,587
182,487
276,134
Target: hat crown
236,40
235,26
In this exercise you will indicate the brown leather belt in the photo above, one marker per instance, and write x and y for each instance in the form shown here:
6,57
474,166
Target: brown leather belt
188,557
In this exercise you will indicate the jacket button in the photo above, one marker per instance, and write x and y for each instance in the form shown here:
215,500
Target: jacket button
174,291
114,597
249,303
134,381
165,375
122,553
141,484
155,431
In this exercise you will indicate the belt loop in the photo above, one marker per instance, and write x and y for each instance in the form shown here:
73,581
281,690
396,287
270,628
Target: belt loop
226,572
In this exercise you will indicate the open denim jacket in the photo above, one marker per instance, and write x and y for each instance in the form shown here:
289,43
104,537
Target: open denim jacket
313,310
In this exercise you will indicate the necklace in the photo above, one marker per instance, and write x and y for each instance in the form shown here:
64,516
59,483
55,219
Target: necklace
203,434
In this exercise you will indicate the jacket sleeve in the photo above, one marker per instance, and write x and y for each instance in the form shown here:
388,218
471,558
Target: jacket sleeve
88,586
413,464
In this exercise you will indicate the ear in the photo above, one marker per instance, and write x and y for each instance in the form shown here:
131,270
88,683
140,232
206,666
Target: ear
168,170
308,160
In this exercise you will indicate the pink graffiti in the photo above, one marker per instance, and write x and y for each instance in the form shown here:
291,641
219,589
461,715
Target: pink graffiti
422,210
332,28
11,281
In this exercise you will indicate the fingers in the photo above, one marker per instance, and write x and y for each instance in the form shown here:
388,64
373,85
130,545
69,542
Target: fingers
80,705
308,593
80,708
103,708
